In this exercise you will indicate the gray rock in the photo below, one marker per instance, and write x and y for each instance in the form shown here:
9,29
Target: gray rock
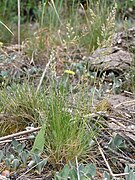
125,40
117,58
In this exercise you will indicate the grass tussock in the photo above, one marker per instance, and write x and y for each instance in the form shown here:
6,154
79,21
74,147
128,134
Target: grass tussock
66,135
21,102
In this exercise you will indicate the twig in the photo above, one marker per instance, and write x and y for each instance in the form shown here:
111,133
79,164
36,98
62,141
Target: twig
121,155
43,75
122,119
121,174
20,139
126,102
77,167
128,93
53,4
107,164
19,26
6,27
19,134
29,170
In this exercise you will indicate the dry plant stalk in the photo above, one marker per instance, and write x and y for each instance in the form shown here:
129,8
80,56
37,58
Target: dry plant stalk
19,134
19,26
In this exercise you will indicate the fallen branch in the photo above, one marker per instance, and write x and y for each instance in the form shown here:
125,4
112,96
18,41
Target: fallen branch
18,139
19,134
107,164
132,102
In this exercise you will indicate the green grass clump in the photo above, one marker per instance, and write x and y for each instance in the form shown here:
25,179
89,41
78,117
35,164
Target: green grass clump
66,135
21,102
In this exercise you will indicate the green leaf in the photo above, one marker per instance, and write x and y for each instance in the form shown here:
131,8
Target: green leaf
130,176
117,142
90,170
81,167
15,143
39,142
15,164
4,73
65,172
20,147
1,155
10,156
24,157
36,158
41,165
106,176
130,170
7,162
85,178
57,177
73,174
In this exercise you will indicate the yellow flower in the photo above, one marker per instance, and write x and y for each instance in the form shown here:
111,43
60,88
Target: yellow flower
69,72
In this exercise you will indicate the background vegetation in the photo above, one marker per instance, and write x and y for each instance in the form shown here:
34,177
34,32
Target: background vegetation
48,84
